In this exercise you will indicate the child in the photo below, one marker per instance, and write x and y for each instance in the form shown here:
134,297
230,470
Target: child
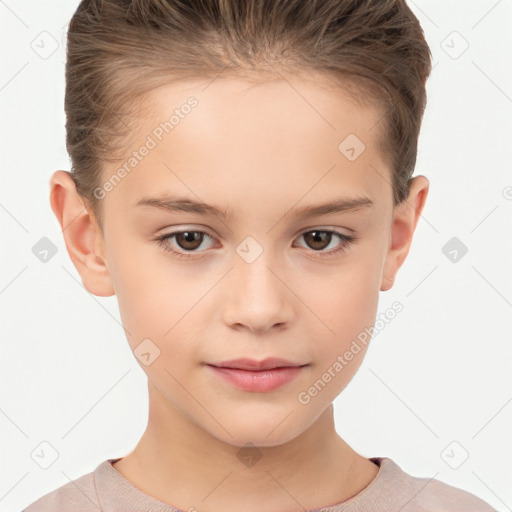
278,138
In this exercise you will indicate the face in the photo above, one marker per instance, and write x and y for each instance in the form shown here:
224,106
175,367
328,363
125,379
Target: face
263,275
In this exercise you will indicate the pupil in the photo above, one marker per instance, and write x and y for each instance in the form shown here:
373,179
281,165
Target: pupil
318,237
190,237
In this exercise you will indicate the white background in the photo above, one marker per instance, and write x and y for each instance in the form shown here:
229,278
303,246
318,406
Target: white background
440,372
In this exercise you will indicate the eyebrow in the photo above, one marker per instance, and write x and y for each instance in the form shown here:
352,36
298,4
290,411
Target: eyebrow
182,204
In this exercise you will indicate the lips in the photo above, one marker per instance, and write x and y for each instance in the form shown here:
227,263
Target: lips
257,376
252,364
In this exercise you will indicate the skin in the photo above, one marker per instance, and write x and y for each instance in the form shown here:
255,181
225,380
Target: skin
261,151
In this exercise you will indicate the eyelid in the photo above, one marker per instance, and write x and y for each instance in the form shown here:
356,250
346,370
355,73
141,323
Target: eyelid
199,228
325,228
344,240
174,230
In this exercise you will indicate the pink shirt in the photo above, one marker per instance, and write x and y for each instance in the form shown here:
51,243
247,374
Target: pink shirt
392,490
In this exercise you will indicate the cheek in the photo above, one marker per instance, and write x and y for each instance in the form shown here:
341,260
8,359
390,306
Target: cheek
160,302
142,294
347,305
348,299
350,312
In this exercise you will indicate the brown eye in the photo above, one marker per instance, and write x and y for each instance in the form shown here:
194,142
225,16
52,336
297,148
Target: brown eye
189,240
318,239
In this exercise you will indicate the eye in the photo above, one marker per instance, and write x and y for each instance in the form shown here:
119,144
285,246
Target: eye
189,241
318,239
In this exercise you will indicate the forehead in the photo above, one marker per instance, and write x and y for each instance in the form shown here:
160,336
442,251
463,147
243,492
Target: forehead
291,134
314,99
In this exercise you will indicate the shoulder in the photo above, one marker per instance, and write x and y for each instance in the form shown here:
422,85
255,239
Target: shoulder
420,494
434,495
77,495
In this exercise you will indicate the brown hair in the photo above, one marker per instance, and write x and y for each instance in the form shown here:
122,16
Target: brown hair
117,50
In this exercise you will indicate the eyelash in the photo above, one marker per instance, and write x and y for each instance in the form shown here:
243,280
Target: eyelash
346,241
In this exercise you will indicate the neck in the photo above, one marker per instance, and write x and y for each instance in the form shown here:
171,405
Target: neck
179,463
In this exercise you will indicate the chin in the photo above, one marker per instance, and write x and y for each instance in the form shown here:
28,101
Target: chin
263,433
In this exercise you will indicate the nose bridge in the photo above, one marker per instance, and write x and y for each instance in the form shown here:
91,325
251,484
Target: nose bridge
257,298
252,268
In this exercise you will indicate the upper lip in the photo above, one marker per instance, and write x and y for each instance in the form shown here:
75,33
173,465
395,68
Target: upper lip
252,364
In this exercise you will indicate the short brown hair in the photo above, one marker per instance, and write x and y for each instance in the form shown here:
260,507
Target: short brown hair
119,49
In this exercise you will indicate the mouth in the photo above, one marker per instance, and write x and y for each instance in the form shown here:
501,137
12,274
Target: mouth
257,376
269,363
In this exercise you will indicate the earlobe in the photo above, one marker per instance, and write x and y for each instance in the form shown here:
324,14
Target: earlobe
405,220
387,283
81,233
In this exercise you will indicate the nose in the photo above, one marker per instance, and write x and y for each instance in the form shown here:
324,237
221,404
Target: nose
256,296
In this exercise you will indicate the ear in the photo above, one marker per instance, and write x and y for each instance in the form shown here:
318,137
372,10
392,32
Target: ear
82,234
405,219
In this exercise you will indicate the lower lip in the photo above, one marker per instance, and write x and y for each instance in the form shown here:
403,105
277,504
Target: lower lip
261,381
